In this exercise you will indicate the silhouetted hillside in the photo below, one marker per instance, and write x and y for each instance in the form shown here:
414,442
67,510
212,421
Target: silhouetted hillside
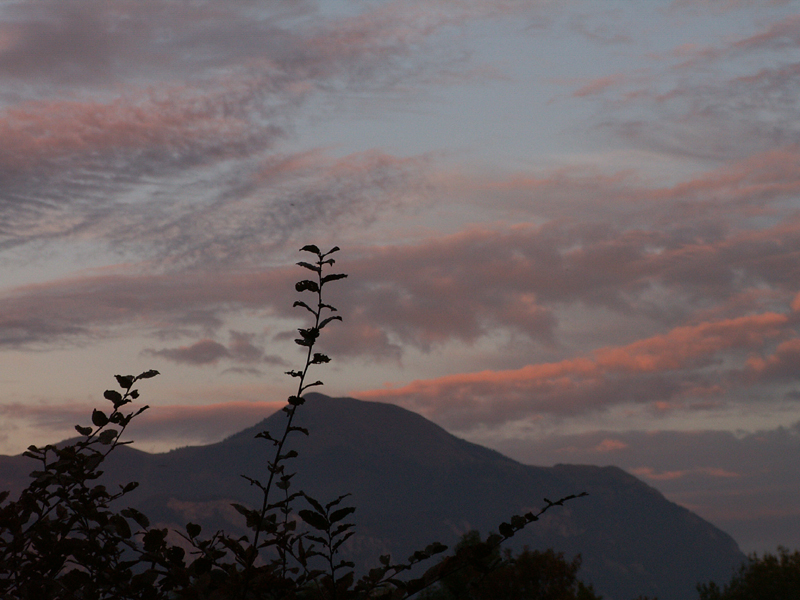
414,483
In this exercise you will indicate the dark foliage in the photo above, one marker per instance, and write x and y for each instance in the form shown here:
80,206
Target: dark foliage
768,577
489,574
63,539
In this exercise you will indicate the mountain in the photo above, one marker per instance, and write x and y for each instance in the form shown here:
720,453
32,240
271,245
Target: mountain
414,483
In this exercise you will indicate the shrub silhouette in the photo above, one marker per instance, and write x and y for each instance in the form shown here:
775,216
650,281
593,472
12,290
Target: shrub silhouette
496,575
62,538
768,577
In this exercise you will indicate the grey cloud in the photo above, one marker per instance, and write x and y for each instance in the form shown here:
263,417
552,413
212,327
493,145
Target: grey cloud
241,349
202,352
61,310
104,168
94,42
465,285
707,112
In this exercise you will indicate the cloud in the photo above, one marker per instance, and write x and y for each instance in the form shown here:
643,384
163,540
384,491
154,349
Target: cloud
92,305
160,428
721,100
515,280
207,351
651,474
202,352
209,90
663,371
598,85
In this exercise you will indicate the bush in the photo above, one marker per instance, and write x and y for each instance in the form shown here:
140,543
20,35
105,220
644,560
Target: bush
769,577
63,539
496,575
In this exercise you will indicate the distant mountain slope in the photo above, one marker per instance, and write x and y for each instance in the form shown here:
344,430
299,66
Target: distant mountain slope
414,483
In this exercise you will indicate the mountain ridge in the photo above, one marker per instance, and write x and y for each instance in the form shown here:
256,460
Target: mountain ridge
413,483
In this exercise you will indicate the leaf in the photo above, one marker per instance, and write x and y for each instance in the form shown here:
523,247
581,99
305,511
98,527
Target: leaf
340,514
337,501
125,381
316,520
99,418
140,518
518,522
302,286
129,487
320,358
435,548
313,502
304,305
112,395
148,374
506,530
308,385
193,529
93,462
302,430
252,517
328,320
242,510
121,525
310,248
83,430
108,436
310,267
153,540
332,250
296,400
332,277
312,333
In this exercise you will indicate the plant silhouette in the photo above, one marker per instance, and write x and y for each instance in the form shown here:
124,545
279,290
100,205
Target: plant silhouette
766,577
64,537
498,575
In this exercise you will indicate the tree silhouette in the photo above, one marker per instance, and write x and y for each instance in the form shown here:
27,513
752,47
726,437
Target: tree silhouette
492,574
767,577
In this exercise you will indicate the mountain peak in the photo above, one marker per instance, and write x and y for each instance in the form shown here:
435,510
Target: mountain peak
413,483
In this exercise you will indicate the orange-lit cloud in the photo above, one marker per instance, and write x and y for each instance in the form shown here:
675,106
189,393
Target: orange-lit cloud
653,371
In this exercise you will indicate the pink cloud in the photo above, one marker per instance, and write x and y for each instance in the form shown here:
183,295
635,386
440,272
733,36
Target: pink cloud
650,473
174,122
781,364
609,376
599,85
610,445
782,34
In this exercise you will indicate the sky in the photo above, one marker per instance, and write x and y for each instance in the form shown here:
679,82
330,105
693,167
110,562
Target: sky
571,228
